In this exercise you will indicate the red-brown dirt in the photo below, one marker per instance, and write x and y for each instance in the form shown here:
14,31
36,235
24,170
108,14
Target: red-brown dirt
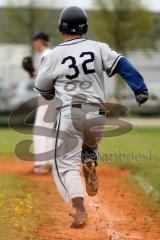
116,213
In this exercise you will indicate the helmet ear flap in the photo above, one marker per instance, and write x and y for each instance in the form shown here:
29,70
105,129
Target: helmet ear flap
86,28
83,28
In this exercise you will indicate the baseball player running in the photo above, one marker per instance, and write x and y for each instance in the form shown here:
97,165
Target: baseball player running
74,72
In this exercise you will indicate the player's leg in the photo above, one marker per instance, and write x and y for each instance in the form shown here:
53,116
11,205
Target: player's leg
90,157
68,163
71,189
90,162
42,144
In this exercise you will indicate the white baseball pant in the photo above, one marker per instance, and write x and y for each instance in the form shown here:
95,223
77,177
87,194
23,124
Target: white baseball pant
76,126
45,118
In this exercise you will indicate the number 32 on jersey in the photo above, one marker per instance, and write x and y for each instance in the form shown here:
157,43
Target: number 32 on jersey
73,64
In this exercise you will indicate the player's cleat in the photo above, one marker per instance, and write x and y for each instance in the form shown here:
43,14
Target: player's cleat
80,220
90,175
42,169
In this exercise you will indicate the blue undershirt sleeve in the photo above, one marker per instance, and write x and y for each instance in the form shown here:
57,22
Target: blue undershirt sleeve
132,77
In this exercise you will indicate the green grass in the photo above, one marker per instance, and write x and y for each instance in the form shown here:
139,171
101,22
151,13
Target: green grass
9,139
137,143
18,211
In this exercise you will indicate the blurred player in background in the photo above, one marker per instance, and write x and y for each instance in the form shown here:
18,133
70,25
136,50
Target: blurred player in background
45,117
42,144
41,43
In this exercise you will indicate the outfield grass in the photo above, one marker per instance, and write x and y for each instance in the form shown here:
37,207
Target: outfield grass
139,152
141,142
9,139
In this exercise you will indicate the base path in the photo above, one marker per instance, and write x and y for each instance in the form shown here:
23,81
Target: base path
119,208
116,213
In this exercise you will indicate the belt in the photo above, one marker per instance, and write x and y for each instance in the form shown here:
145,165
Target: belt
101,110
76,105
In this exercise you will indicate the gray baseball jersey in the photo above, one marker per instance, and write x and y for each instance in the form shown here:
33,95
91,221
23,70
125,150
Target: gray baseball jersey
75,68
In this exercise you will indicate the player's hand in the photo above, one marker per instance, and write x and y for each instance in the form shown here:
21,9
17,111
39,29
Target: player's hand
142,97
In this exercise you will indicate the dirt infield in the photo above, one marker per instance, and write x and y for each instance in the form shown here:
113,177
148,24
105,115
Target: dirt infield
116,213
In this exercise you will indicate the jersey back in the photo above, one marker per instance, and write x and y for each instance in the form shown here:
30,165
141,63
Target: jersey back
76,70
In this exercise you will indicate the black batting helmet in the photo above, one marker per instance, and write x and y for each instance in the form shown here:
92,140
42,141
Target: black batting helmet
73,20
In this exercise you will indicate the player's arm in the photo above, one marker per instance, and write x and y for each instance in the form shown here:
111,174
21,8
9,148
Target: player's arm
133,78
44,81
115,63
